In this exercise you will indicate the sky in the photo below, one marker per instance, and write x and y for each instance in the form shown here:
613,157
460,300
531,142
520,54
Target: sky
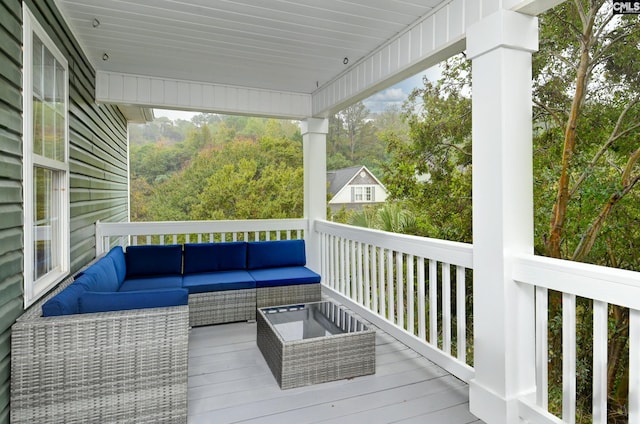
392,96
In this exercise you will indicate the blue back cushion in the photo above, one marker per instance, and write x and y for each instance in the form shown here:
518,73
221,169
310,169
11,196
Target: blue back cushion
105,278
271,254
66,302
117,255
104,302
211,257
154,260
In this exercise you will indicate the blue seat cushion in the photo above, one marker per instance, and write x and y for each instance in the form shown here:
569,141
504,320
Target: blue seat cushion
210,257
218,281
153,260
105,278
275,254
288,276
117,256
66,302
104,302
152,283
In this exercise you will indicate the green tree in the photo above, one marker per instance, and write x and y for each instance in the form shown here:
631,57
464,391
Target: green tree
352,140
586,98
242,179
156,162
429,169
140,191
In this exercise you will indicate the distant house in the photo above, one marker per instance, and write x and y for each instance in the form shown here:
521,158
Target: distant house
354,188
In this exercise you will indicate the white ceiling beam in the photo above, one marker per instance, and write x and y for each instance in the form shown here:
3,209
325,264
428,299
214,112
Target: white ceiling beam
427,42
167,93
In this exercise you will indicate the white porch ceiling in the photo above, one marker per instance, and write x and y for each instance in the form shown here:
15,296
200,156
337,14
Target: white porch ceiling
281,45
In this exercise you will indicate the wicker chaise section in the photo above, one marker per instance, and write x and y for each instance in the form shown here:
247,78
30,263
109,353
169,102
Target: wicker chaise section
288,295
112,367
220,307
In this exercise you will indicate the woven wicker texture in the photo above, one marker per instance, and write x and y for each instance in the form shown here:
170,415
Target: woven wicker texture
219,307
318,360
288,295
115,367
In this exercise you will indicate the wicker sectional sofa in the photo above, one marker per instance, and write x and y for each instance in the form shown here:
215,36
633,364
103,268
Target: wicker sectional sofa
225,282
111,344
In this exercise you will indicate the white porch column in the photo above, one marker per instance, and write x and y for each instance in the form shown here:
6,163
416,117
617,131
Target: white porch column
314,147
500,47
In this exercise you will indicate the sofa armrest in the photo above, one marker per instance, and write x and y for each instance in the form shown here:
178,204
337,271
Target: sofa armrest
63,368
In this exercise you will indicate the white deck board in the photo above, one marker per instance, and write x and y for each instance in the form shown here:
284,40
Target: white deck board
230,382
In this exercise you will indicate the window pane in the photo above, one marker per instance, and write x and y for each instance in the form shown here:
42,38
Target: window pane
49,67
49,132
358,194
59,87
38,126
49,121
38,48
59,137
43,218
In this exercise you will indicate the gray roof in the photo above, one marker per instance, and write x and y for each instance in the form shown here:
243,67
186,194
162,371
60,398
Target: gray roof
338,178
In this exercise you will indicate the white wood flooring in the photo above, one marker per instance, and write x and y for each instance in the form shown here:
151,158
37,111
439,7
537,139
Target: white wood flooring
229,382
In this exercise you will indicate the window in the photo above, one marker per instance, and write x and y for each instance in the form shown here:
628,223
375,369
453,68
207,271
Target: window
46,168
363,194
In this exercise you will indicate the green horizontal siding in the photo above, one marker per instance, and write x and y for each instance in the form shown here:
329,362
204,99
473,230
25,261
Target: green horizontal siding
98,163
10,168
11,216
11,236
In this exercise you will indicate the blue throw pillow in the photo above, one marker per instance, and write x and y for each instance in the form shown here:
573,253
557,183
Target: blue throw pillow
117,255
105,302
154,260
275,254
65,302
211,257
105,278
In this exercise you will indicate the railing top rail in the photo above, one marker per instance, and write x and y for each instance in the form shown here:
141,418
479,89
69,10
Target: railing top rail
187,227
441,250
616,286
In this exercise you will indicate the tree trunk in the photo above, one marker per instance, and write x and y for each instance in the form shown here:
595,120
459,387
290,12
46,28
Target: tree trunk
554,241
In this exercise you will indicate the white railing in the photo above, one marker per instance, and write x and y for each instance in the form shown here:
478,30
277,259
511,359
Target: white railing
419,290
604,286
404,285
109,234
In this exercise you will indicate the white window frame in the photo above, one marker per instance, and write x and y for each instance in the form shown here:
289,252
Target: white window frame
35,288
367,193
363,193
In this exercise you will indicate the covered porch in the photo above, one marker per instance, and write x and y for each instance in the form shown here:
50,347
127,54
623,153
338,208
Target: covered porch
229,381
449,314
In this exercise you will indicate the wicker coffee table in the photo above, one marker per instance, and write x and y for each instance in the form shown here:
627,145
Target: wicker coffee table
314,343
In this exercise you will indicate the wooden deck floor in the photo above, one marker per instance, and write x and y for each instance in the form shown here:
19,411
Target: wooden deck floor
229,382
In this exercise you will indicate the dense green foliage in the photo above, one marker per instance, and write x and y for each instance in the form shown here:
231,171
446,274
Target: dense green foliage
224,168
233,167
586,152
429,171
587,109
